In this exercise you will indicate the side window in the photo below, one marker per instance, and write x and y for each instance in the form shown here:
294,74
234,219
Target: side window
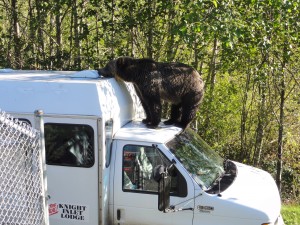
138,164
26,121
69,144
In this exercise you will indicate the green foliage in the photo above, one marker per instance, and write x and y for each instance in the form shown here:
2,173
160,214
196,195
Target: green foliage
246,51
291,214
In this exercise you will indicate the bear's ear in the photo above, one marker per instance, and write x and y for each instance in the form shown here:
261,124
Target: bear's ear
123,62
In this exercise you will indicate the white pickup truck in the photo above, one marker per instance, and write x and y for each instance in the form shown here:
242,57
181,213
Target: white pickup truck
105,167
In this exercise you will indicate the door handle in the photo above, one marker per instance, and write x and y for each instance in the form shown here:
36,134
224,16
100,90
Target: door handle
118,214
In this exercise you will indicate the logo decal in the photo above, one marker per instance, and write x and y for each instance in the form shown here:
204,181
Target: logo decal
53,209
69,212
205,208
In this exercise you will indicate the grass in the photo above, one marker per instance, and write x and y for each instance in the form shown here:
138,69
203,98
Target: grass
291,214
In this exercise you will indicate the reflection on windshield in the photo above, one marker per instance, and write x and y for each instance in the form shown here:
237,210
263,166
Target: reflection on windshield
197,157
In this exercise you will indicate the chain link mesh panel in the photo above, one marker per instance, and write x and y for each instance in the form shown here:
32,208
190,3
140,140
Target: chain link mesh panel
21,188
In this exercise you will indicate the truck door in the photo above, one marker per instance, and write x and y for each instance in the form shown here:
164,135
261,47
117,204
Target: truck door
72,171
135,191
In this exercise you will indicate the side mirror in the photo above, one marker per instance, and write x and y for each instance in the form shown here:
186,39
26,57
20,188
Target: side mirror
161,175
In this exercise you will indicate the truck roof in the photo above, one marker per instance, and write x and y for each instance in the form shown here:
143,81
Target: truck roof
86,76
68,93
137,131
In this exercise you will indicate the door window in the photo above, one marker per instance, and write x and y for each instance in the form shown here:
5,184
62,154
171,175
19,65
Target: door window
69,144
138,164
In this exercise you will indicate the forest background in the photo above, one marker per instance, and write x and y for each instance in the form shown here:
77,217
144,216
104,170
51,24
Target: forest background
246,51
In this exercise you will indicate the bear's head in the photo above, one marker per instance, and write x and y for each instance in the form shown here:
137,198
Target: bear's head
109,70
117,68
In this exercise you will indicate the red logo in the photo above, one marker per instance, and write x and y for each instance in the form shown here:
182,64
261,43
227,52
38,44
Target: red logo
53,209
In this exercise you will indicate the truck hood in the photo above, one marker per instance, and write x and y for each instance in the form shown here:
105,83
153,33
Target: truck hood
252,195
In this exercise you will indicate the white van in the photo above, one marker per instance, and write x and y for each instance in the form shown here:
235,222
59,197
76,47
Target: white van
105,167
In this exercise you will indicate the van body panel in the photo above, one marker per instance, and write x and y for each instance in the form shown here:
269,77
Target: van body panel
59,93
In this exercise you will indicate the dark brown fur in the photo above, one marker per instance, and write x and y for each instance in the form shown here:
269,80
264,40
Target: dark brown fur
176,83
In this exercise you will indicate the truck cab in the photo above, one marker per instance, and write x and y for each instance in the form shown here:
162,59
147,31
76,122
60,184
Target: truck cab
203,188
104,166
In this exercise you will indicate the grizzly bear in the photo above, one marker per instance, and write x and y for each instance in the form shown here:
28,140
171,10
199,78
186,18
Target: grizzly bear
154,82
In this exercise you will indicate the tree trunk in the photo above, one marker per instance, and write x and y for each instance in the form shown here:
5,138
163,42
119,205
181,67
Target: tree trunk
170,51
58,53
281,118
77,59
210,82
150,29
112,42
260,130
16,35
244,115
41,55
32,30
212,67
280,133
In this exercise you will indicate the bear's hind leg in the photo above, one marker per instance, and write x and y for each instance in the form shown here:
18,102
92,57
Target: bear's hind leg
188,114
175,115
189,110
190,104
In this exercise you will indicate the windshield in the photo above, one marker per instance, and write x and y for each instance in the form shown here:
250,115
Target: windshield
203,163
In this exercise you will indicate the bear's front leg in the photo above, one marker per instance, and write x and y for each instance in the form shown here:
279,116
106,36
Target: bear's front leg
155,111
144,104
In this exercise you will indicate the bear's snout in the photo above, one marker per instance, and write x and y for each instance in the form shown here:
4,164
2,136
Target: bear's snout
105,72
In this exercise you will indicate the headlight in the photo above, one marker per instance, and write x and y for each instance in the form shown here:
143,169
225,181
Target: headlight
279,221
